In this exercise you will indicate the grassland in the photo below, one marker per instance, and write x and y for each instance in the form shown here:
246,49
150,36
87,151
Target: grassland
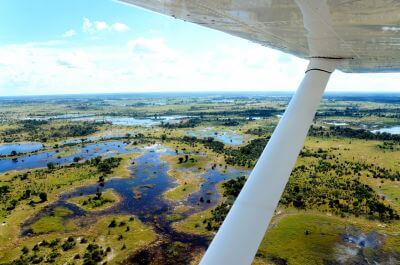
123,170
51,223
315,237
52,183
310,234
97,202
66,152
194,224
188,180
128,235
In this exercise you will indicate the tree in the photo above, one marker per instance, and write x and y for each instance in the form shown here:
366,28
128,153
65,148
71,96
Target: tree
163,137
180,160
25,250
43,196
13,152
51,166
113,223
98,195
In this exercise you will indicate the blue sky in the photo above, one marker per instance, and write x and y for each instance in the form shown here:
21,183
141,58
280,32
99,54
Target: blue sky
97,46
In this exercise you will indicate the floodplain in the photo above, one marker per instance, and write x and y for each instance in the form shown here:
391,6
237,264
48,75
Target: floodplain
149,178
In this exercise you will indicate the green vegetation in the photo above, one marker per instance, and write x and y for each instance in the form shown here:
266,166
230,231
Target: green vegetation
352,133
97,202
66,152
302,239
335,188
188,181
347,178
44,131
34,188
52,223
83,244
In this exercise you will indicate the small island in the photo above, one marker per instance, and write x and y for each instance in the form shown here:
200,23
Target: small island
97,202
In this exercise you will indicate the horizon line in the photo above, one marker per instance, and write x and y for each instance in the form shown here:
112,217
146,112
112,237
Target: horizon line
197,92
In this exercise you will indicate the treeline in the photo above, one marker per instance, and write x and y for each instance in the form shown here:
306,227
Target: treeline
38,130
25,126
339,131
193,122
262,112
259,131
246,156
357,112
189,123
74,130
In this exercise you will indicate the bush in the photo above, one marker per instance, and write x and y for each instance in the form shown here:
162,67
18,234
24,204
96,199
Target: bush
113,223
43,196
69,244
51,166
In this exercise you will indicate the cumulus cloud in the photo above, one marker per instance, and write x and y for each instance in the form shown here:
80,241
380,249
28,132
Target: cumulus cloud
151,64
69,33
97,26
74,60
87,25
101,25
120,27
147,45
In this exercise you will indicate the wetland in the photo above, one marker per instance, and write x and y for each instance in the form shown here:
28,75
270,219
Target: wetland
118,179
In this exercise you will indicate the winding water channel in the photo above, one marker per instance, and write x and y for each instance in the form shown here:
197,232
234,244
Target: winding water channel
150,176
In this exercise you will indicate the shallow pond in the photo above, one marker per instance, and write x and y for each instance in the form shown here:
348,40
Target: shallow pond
132,121
116,120
208,190
335,123
391,130
85,152
227,137
66,116
6,149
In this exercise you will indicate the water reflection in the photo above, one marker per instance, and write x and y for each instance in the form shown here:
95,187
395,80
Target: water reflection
7,149
227,137
37,160
150,176
391,130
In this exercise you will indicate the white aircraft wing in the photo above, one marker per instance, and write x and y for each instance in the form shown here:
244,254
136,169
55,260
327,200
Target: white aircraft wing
367,31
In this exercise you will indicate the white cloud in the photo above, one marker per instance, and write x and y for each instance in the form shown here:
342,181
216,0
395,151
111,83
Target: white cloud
150,64
87,25
96,26
120,27
75,59
101,25
147,45
69,33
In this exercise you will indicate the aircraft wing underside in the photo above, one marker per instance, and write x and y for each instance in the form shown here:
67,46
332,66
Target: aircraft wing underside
367,31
